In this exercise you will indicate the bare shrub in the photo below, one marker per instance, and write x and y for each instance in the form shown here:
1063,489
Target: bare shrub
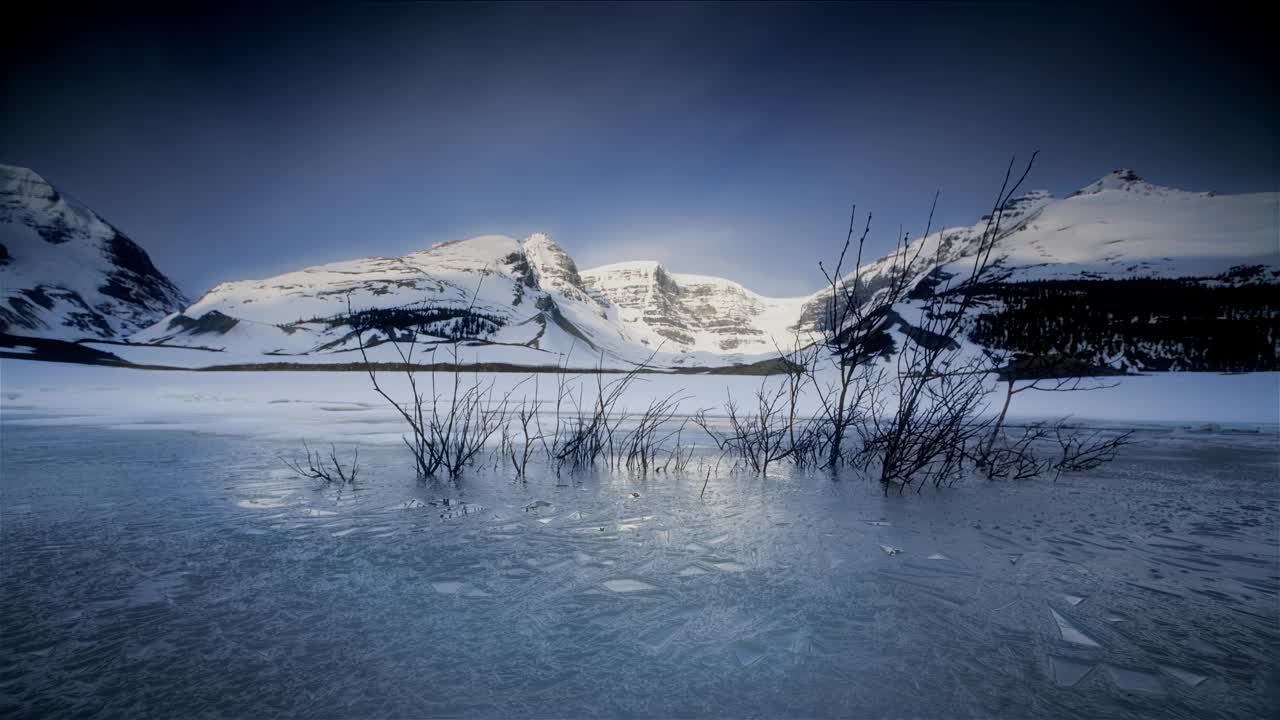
327,470
1039,374
446,434
1014,457
856,311
938,397
525,418
1086,451
760,435
593,433
642,444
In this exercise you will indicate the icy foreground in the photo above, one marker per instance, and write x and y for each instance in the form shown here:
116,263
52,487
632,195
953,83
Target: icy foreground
163,574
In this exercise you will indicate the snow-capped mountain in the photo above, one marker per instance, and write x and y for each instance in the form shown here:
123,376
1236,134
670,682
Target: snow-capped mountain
493,290
66,273
1134,275
1125,274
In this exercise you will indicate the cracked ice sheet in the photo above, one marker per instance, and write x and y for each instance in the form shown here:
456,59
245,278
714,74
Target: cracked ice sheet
628,585
819,572
1068,672
1135,680
1070,633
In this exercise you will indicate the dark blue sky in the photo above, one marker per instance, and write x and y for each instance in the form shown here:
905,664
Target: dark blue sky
721,139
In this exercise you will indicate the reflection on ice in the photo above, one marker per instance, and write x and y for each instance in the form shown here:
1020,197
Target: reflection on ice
455,587
626,585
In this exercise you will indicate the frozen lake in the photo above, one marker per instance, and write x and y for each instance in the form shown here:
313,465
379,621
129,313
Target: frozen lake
153,573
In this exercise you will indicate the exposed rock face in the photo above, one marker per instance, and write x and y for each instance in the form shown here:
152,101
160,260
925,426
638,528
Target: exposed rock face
703,312
66,273
553,267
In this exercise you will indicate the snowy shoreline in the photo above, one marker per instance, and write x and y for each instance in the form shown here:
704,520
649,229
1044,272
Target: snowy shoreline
322,405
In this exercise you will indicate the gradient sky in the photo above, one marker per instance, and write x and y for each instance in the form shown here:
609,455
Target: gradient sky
718,139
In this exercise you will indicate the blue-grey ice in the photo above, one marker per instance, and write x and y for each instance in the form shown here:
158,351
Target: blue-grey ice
1184,676
626,585
748,652
122,573
1070,633
1135,680
1068,672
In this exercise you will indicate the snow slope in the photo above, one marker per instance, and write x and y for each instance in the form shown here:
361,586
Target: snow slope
1122,226
66,273
520,301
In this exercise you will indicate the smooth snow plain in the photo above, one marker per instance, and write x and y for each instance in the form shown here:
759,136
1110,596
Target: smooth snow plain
324,406
159,560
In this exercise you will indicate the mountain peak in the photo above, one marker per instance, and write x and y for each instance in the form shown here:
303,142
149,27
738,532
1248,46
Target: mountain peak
1125,180
67,272
538,238
19,182
553,267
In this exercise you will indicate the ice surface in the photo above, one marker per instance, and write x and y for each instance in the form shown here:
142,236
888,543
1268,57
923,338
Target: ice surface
1070,633
263,503
1135,680
626,585
658,639
1185,676
455,587
128,557
1068,672
748,652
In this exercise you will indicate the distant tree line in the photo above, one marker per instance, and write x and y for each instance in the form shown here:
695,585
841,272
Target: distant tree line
398,322
1153,324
